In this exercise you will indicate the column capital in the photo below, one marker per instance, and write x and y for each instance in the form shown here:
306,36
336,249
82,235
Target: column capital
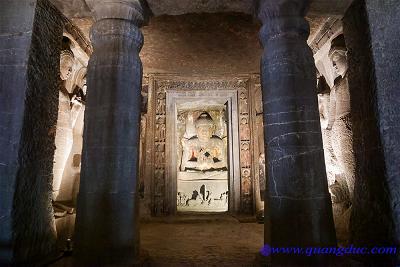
276,8
282,18
131,10
121,18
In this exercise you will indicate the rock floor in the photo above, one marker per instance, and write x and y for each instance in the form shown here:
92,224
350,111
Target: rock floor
207,241
221,241
202,244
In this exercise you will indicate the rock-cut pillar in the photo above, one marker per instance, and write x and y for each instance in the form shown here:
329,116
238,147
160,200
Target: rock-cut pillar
107,211
298,202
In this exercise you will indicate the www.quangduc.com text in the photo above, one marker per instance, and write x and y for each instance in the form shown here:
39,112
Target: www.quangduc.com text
267,250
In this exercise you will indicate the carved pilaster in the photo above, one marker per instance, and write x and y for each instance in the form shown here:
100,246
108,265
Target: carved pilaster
107,214
299,206
245,152
159,152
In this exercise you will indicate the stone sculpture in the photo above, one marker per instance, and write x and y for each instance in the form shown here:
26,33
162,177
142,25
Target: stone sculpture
204,151
64,134
72,95
335,115
341,135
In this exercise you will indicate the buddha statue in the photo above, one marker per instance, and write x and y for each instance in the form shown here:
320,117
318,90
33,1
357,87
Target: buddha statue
340,116
341,134
64,134
204,151
66,63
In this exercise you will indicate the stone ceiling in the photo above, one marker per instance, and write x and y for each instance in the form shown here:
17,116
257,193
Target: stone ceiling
320,11
84,24
79,8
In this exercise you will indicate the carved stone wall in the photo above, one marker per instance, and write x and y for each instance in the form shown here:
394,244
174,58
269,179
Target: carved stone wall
161,145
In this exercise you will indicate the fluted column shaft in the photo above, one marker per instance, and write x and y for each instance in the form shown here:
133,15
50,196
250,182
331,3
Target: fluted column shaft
298,201
107,212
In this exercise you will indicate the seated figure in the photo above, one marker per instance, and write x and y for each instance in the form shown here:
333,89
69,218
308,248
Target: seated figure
204,151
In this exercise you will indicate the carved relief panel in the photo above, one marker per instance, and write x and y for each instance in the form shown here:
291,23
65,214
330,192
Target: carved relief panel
202,167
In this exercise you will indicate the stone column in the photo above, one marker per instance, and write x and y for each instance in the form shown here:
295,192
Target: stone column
299,205
107,211
30,35
386,57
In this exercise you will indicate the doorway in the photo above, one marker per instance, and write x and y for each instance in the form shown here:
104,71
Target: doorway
202,156
203,164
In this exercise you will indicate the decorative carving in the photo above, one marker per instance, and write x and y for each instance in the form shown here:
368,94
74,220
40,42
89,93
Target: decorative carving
202,197
245,153
203,85
159,150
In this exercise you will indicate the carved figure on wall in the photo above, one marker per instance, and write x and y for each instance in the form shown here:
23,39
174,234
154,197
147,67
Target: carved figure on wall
244,129
201,197
245,157
160,129
246,181
243,103
205,151
160,107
